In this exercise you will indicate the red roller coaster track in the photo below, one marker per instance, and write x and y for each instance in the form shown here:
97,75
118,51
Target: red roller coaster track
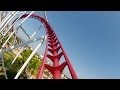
53,46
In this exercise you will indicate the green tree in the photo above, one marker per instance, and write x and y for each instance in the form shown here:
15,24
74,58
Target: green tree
8,57
32,67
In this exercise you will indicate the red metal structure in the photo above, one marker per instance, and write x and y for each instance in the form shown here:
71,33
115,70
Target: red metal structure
53,46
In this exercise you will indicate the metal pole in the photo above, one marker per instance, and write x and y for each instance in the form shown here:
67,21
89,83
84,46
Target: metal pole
36,31
26,18
4,14
24,46
21,44
16,46
13,24
9,20
25,32
6,19
17,27
17,55
28,60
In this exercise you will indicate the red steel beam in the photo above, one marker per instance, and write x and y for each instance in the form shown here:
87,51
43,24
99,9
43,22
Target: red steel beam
53,45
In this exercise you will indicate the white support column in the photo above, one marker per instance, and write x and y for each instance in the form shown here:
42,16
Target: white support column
26,18
8,39
25,32
36,31
18,27
28,60
24,46
8,16
6,19
17,55
9,21
21,44
16,46
13,24
4,14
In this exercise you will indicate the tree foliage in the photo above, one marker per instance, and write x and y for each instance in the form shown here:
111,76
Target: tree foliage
32,67
12,69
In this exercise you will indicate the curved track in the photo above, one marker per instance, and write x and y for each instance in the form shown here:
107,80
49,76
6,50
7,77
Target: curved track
53,46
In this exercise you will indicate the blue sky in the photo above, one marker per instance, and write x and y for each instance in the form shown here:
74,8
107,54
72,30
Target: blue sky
91,40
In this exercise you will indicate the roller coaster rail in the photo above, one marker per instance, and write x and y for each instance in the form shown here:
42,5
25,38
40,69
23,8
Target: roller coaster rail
53,44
